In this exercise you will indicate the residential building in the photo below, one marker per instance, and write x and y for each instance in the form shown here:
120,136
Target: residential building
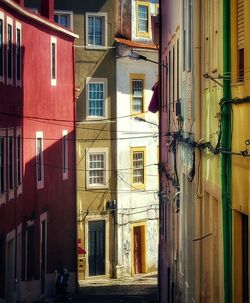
37,135
137,141
239,107
95,23
191,233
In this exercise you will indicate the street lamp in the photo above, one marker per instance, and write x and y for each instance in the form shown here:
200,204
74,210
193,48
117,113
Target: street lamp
135,56
139,119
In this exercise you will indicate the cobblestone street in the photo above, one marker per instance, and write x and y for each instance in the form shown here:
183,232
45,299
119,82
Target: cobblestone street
141,288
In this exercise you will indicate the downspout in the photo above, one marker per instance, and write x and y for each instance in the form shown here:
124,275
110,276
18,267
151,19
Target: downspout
160,248
226,157
75,173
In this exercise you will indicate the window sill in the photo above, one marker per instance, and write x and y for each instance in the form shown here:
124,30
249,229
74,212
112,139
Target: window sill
97,186
237,84
96,47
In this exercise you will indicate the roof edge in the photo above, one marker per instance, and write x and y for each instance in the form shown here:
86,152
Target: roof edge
39,19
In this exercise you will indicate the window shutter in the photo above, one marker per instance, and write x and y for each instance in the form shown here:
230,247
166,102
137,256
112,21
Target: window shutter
240,24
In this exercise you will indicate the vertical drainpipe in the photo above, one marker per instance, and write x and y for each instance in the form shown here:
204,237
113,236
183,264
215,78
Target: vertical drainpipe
226,158
75,174
160,265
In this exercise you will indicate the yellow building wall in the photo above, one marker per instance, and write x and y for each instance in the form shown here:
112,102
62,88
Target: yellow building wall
240,132
212,270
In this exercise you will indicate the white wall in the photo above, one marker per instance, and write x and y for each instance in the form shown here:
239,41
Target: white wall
135,205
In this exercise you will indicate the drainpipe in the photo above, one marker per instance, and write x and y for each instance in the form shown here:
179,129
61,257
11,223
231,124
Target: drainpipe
160,248
226,158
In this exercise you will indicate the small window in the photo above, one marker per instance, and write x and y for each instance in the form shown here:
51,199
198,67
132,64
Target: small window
64,18
18,53
39,160
137,93
143,18
1,46
138,164
11,160
65,154
10,50
97,168
96,98
241,65
96,30
53,53
19,157
2,164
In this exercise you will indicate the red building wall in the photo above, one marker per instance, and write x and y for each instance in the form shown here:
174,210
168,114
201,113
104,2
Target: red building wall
37,106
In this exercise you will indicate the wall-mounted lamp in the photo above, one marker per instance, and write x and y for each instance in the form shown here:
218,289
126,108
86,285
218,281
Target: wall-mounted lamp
139,119
135,56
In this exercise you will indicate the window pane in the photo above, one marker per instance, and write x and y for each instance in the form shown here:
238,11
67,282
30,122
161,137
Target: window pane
11,162
138,167
39,159
18,54
53,61
1,47
95,30
9,51
19,161
96,169
2,166
96,99
143,18
137,96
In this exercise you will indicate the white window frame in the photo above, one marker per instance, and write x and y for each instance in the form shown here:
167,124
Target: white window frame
53,40
69,13
2,18
3,194
19,27
104,46
11,189
40,183
65,155
105,170
19,170
90,80
9,21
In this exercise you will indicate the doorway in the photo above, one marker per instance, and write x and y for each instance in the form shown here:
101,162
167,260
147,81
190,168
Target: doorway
43,256
10,272
96,247
139,265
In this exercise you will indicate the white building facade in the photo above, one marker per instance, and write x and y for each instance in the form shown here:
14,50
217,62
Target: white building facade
137,161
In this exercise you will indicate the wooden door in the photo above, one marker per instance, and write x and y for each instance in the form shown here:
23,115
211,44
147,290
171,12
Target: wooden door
96,249
137,250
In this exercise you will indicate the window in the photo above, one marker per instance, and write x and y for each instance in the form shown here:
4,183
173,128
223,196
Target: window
97,168
10,50
138,164
53,54
96,98
18,53
1,46
39,160
64,18
11,160
143,10
2,163
19,156
137,93
240,39
65,156
96,30
187,44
